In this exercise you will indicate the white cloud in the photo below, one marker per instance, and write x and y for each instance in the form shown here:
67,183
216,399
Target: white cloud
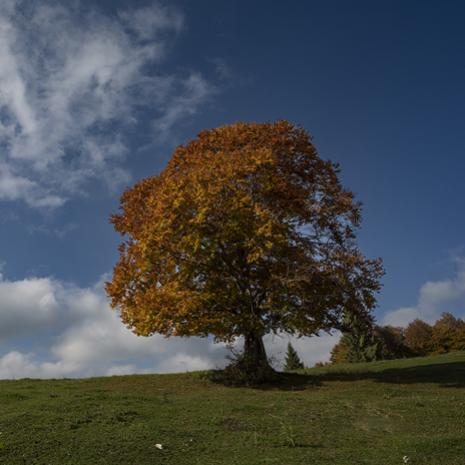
14,187
73,333
27,305
72,83
185,362
15,365
121,370
434,298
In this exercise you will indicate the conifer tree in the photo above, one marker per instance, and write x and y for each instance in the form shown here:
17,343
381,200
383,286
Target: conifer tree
292,361
358,339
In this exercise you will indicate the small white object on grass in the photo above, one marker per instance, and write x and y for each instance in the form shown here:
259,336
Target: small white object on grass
406,459
159,446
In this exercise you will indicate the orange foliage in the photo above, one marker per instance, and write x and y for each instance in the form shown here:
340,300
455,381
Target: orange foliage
448,334
246,231
418,337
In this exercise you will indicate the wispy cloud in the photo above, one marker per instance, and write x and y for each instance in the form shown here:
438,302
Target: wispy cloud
192,92
59,232
73,82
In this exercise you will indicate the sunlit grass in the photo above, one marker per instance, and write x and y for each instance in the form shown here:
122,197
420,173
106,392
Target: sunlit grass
376,413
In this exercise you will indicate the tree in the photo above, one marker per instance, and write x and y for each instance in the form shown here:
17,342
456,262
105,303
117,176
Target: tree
292,361
367,344
392,342
246,231
358,342
418,337
448,334
352,349
340,352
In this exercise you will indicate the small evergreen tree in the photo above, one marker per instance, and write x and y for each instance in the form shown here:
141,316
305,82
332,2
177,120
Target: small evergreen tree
292,361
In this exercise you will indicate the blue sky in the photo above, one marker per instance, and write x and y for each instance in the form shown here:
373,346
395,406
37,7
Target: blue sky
96,95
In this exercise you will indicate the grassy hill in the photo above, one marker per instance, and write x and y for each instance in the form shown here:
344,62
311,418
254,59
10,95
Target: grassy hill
372,414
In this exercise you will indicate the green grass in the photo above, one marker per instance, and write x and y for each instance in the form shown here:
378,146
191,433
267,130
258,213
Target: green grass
349,414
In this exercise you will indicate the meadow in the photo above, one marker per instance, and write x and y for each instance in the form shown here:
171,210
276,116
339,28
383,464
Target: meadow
375,414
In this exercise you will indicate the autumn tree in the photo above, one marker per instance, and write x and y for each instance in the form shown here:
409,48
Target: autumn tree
340,352
246,231
418,337
448,334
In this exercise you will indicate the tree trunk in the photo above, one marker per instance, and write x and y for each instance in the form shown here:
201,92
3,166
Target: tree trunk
254,355
251,367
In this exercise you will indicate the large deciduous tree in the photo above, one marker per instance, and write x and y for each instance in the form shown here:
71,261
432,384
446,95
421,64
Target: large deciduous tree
246,231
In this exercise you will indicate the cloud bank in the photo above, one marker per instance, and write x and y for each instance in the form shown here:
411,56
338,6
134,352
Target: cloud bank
74,83
74,333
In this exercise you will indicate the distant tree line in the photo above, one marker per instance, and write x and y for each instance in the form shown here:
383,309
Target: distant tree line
365,342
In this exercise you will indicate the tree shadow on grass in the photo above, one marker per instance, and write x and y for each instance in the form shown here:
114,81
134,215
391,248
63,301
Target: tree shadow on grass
446,375
450,375
278,380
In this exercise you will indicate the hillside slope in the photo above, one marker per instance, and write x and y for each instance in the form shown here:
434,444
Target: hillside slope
348,414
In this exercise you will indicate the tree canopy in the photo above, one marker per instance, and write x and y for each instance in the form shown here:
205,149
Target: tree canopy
246,231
